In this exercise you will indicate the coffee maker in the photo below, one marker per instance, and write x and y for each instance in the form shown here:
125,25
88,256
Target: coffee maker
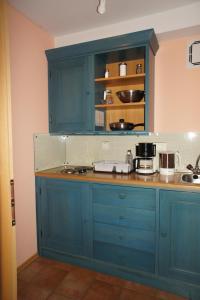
144,161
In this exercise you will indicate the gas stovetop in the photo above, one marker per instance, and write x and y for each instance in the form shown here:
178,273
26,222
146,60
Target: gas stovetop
76,169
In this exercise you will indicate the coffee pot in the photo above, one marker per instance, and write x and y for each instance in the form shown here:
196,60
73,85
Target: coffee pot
144,161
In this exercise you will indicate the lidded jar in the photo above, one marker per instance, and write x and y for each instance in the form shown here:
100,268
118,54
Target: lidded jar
122,69
108,98
138,68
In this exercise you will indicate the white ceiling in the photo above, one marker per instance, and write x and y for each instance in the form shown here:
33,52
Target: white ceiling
61,17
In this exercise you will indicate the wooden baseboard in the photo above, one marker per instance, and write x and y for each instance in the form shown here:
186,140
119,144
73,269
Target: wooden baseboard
27,263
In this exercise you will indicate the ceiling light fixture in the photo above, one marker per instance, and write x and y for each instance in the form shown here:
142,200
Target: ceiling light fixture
101,8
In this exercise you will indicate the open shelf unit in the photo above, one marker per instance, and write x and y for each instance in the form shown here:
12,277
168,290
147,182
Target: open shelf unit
131,112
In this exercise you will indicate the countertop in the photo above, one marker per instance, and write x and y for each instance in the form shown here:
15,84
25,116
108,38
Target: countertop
155,180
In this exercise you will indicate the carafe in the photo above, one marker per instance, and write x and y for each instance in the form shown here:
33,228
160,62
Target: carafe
169,161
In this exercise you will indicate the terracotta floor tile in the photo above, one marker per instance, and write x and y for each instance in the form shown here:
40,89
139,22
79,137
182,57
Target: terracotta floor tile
76,283
49,277
31,292
63,266
53,280
57,264
168,296
36,265
57,297
140,288
130,295
79,273
100,290
111,279
27,275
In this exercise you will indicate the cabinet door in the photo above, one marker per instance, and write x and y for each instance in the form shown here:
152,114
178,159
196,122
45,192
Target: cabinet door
70,99
63,216
124,226
179,255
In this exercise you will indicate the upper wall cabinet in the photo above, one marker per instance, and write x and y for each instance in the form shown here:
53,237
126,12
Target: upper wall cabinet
83,97
69,95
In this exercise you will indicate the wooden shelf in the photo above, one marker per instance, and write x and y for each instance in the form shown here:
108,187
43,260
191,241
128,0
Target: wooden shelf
117,78
124,106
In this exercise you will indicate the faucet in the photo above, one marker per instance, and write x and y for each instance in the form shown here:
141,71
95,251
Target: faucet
196,169
197,164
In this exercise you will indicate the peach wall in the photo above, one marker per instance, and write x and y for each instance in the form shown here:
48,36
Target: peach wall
177,91
29,115
177,97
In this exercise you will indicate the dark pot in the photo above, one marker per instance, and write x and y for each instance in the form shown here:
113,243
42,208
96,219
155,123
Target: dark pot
121,125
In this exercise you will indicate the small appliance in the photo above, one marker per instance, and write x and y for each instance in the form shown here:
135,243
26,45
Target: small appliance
113,166
168,162
144,161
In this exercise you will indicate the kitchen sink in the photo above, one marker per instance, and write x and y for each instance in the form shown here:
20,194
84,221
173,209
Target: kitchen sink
191,178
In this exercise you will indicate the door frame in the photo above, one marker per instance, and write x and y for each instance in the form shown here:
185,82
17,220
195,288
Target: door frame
8,270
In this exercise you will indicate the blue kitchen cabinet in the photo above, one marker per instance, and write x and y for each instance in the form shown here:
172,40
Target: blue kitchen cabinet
62,217
77,84
124,226
70,95
179,243
148,235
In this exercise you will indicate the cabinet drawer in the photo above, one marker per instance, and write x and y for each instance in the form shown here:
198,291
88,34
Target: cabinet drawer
125,257
124,216
131,238
124,196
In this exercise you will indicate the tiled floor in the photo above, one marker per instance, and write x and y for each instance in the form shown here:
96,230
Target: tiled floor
48,279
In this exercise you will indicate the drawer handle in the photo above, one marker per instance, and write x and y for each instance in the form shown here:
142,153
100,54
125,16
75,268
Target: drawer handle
122,196
122,217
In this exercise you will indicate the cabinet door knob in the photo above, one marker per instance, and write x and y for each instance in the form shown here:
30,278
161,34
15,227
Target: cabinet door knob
122,196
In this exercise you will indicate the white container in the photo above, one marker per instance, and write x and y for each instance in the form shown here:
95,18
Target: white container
168,162
167,171
107,73
122,69
129,158
112,166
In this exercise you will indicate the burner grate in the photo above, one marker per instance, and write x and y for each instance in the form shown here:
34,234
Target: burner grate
76,169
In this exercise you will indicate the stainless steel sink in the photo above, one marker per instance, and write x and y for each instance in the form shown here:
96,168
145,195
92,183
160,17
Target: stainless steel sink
191,178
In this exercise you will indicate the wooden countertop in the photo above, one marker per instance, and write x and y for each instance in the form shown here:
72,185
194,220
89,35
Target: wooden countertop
155,180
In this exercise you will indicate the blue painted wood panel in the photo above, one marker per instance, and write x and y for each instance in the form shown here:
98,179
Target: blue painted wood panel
64,217
124,196
94,236
125,216
135,39
125,257
70,96
72,92
124,226
131,238
179,255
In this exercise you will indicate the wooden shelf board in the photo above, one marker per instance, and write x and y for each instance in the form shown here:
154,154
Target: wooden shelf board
115,78
127,105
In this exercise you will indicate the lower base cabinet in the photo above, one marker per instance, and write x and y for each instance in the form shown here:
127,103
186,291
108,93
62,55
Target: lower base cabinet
62,217
124,226
148,235
179,255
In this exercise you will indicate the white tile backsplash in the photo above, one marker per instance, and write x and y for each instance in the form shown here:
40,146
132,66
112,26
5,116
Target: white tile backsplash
51,151
87,149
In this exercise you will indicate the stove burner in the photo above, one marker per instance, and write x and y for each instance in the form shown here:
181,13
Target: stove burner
68,171
76,169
